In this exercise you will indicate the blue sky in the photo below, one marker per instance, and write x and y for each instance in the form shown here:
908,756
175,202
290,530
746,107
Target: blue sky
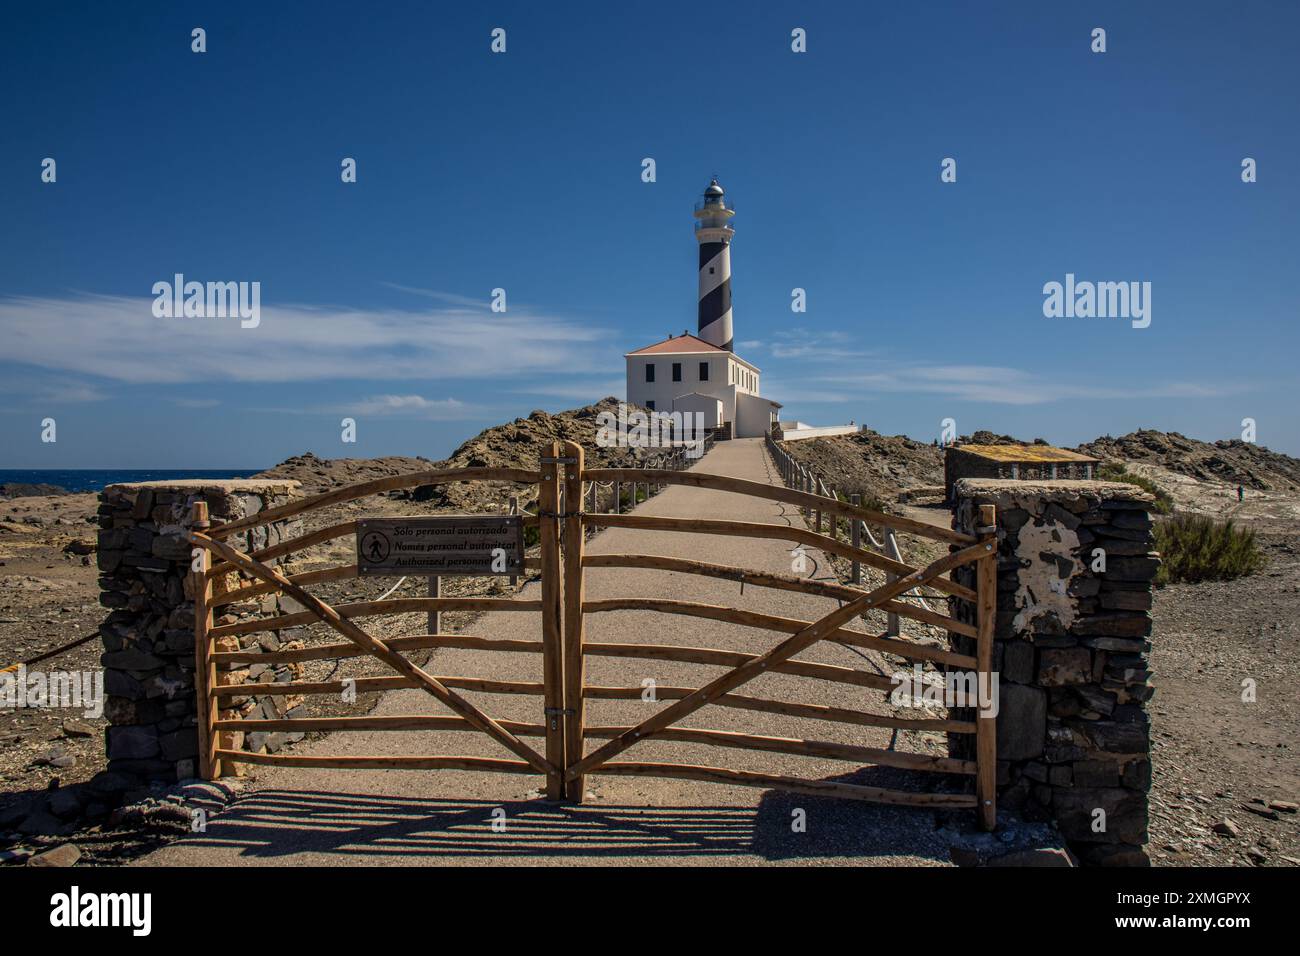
523,171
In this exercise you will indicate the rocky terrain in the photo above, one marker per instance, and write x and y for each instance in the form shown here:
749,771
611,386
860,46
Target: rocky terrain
1231,462
1225,770
875,466
519,444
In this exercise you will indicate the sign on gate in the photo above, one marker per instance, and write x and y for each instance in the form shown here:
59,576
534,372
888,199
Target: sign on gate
451,544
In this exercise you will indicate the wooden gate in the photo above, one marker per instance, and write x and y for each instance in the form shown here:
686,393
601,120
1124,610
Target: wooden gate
563,523
238,575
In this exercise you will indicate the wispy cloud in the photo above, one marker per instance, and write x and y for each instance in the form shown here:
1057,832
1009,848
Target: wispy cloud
415,406
118,338
39,390
451,298
981,383
69,394
815,345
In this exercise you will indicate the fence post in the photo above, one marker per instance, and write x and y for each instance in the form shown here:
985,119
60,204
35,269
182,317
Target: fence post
834,516
548,511
817,489
435,617
855,538
892,625
986,740
205,669
618,498
514,510
574,663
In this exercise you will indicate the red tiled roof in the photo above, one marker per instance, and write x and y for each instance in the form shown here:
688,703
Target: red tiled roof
679,343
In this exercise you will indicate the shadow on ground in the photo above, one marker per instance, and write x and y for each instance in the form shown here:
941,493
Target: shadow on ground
270,824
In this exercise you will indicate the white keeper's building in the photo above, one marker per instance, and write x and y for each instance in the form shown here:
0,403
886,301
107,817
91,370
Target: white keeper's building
702,373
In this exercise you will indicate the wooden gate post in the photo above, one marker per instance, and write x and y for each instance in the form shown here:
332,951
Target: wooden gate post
205,668
549,511
986,739
574,665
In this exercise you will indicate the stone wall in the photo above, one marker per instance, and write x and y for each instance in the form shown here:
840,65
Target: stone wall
148,636
1071,646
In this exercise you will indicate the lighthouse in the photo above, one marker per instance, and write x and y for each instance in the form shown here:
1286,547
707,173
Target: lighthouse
713,231
701,375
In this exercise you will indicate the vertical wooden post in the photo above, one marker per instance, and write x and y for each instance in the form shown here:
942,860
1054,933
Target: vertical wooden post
435,617
855,538
893,627
514,510
819,490
205,668
986,736
574,628
618,495
548,509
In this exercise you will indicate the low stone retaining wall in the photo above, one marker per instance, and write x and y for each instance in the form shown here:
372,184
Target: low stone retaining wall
1071,646
148,636
827,431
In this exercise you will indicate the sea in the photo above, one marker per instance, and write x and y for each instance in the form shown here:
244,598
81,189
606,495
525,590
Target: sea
92,479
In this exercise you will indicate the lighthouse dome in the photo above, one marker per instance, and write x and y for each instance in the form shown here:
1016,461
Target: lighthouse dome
714,190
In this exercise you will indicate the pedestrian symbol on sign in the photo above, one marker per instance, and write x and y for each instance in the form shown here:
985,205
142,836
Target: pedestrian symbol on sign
375,546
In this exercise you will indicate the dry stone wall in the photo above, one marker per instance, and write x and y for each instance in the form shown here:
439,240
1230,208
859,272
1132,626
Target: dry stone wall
148,636
1075,564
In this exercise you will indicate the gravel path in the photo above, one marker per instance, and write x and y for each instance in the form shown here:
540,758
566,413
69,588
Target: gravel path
335,817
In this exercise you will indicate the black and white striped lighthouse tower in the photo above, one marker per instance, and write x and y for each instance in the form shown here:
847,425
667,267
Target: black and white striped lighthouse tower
713,231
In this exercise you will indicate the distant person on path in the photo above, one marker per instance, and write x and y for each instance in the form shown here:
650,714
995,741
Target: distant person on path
1241,493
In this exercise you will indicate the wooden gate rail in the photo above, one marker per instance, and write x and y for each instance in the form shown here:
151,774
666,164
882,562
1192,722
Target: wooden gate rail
342,572
758,489
767,579
755,529
522,729
442,476
494,764
837,715
729,615
373,608
323,612
719,738
289,546
319,536
366,684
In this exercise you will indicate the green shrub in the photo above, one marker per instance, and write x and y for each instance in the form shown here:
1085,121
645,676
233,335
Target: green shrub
1113,471
1195,548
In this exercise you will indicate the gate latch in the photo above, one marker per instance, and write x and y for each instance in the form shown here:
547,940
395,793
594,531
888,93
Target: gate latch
558,461
555,712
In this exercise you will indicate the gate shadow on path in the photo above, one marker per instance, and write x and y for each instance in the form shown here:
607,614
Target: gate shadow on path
272,825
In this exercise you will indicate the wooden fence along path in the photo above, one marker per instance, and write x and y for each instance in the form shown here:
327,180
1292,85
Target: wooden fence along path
675,645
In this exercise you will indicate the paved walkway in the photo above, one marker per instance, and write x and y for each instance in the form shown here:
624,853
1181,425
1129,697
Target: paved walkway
339,817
